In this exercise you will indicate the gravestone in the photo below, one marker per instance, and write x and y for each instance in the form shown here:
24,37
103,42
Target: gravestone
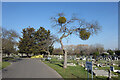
84,58
77,58
82,64
49,58
71,64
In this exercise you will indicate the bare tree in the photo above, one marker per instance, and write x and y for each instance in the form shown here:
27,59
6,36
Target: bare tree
76,49
96,48
80,49
99,48
57,51
9,41
49,42
75,26
70,49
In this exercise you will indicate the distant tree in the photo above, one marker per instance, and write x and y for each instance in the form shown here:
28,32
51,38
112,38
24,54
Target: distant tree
26,42
35,42
9,41
99,48
42,41
110,52
96,54
82,49
51,48
75,25
81,53
50,42
104,54
117,52
96,47
57,51
70,49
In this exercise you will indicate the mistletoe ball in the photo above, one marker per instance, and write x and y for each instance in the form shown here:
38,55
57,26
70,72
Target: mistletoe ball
61,20
84,35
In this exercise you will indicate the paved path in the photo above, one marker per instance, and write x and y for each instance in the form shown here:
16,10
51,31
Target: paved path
29,68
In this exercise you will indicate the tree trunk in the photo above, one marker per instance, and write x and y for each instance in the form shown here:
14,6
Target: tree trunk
65,59
22,54
8,54
27,55
48,53
65,55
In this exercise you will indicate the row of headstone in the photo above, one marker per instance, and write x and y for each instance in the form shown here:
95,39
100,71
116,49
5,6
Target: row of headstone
57,56
72,57
114,58
110,58
76,58
60,57
71,64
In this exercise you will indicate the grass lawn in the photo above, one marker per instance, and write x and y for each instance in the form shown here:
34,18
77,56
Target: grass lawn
6,61
4,64
71,72
7,58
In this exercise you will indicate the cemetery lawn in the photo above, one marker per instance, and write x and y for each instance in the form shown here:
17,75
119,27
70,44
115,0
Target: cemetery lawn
106,68
69,72
72,71
7,58
4,64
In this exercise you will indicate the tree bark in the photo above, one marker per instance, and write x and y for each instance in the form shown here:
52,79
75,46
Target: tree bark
8,54
62,46
27,55
22,54
65,60
65,55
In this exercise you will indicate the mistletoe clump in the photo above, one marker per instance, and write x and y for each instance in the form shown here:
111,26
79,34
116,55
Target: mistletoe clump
61,20
84,35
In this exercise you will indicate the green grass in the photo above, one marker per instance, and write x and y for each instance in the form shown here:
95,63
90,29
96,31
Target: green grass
70,71
117,68
10,59
6,61
5,64
106,68
73,71
102,68
7,58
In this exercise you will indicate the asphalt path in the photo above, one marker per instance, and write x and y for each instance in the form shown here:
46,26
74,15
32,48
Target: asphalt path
29,68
